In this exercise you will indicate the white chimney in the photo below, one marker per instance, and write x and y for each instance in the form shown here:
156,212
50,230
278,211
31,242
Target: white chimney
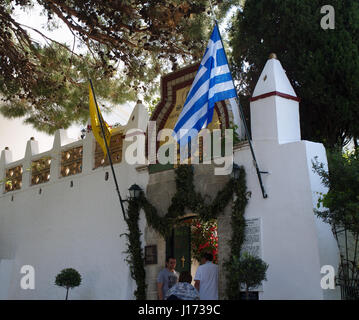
274,106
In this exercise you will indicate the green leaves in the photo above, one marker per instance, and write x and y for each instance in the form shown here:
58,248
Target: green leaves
135,257
58,96
249,270
341,210
128,45
342,179
68,278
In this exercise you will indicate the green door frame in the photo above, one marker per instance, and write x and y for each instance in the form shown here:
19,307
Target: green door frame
183,245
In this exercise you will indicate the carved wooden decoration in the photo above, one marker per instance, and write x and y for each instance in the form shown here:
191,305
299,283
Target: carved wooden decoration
174,90
13,179
40,170
71,161
116,143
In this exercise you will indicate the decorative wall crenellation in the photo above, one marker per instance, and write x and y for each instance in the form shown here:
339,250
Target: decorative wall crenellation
66,158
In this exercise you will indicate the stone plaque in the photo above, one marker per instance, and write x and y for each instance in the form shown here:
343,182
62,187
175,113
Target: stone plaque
252,241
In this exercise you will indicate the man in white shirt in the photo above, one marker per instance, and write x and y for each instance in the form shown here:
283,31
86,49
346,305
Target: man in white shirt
206,278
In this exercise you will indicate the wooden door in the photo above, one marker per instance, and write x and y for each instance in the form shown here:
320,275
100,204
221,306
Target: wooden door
178,245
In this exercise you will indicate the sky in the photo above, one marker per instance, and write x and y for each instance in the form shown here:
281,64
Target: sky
13,132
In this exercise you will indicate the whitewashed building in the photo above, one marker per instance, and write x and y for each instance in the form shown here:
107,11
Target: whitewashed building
60,209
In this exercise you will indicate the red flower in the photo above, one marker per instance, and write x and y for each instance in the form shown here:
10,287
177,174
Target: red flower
204,238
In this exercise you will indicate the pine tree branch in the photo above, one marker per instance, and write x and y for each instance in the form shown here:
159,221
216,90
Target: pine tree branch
50,39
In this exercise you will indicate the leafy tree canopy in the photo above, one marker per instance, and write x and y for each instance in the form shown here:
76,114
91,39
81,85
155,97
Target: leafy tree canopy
249,271
128,44
341,203
340,207
68,278
322,65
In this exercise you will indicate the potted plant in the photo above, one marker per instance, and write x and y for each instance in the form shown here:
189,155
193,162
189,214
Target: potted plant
68,278
250,271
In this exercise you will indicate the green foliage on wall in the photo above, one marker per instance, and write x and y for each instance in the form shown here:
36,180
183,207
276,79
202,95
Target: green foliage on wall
135,257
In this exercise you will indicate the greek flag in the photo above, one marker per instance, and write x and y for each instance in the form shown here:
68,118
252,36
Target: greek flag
213,83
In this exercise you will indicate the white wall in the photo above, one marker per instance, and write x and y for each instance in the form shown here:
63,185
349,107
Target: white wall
76,227
328,246
296,244
80,227
70,227
6,270
290,235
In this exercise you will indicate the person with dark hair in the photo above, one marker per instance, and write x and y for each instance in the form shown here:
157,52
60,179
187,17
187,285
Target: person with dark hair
167,277
183,290
206,278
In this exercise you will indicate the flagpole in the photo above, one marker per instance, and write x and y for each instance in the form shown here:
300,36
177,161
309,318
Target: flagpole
108,152
244,120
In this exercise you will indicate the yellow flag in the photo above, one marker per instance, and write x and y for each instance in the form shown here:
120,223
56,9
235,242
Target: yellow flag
96,126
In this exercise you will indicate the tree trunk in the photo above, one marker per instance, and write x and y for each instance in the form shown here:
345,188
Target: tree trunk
247,293
67,293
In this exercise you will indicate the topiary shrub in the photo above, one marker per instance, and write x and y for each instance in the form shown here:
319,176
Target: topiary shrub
68,278
249,271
